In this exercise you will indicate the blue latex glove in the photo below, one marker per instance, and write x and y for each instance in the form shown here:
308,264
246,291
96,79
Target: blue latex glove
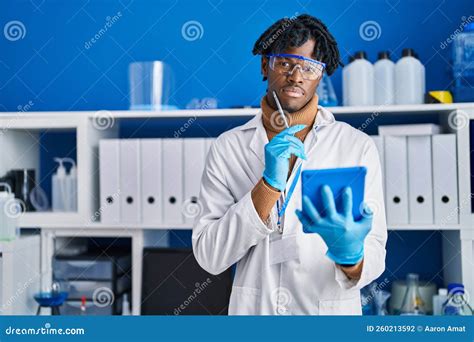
277,156
344,237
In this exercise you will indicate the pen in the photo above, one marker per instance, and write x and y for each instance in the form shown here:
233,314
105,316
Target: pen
280,109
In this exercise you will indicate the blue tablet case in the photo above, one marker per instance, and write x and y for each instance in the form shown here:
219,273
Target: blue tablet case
337,179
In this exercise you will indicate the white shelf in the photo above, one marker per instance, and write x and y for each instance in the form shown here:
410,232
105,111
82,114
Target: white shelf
225,112
46,219
425,227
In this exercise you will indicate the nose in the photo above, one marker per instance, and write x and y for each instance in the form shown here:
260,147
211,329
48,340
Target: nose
296,76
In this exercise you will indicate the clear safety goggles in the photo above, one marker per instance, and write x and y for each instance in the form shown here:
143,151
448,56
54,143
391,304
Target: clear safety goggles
285,64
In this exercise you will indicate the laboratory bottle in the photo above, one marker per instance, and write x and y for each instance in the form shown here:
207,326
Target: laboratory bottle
409,79
463,66
358,81
71,186
59,188
412,303
10,210
457,304
384,79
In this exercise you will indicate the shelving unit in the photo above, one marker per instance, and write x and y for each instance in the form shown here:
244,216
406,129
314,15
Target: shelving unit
20,132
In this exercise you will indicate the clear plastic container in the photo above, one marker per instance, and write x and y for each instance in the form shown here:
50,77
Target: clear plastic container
412,302
457,304
326,94
151,84
463,65
10,210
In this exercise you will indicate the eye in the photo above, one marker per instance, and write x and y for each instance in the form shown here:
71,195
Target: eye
309,68
284,64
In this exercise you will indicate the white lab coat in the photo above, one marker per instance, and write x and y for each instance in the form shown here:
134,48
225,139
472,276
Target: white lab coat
229,231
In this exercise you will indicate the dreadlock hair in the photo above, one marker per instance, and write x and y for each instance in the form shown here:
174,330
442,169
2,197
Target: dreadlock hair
294,32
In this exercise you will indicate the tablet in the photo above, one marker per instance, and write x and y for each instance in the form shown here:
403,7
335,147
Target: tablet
337,179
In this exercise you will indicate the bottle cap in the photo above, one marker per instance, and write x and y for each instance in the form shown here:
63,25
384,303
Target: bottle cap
360,55
443,292
408,52
384,55
454,288
61,171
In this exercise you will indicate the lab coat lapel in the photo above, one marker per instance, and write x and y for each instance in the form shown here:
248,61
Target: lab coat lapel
257,147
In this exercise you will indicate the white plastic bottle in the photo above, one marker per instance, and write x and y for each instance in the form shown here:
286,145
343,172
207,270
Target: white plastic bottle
59,188
71,186
358,81
384,80
345,81
409,79
438,301
126,306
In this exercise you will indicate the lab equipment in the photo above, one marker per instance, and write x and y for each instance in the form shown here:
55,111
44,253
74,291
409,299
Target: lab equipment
358,81
280,109
374,299
10,210
62,192
94,278
409,79
463,68
52,299
438,301
21,181
412,302
399,288
151,85
71,185
343,235
126,305
277,154
325,91
457,304
384,80
286,64
39,199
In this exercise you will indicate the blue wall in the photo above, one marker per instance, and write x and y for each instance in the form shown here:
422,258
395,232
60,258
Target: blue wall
52,68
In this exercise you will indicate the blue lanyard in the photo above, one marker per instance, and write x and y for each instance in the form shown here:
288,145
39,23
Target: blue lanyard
281,211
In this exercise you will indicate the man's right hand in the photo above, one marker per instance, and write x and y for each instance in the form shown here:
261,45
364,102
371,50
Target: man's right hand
277,156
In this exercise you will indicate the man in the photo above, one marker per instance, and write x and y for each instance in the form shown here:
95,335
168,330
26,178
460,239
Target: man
299,262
